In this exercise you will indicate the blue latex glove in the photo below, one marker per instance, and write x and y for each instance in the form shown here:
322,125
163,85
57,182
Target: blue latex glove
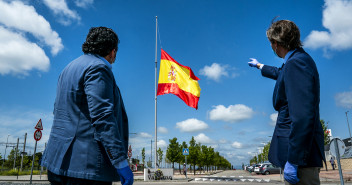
126,175
253,62
290,173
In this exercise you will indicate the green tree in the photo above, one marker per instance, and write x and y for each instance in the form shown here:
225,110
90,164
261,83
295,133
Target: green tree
160,156
143,156
173,151
11,157
204,157
183,146
149,163
210,157
193,154
266,152
326,134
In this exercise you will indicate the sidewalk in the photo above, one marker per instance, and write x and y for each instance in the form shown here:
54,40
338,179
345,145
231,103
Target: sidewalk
325,176
333,175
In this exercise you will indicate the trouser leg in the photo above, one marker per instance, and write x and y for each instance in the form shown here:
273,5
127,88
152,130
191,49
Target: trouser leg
307,176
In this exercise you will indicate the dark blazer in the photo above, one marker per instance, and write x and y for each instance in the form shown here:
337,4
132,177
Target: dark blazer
89,135
298,136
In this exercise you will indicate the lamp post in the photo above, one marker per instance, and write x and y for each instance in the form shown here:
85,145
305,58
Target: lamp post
348,124
7,140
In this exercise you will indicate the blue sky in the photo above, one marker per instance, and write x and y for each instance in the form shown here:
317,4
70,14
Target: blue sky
215,38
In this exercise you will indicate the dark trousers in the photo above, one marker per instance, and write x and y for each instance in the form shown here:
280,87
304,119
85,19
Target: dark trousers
307,176
333,166
64,180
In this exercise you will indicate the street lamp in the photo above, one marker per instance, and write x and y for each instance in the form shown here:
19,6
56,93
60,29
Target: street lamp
348,124
7,140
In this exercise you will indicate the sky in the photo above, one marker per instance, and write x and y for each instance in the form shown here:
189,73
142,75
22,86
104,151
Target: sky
214,38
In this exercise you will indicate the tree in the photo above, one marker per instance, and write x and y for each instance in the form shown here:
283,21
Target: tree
160,156
266,152
173,151
210,157
193,153
326,133
11,157
183,146
204,156
143,156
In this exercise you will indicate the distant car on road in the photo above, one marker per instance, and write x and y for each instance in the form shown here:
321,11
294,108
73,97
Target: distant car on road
269,169
259,166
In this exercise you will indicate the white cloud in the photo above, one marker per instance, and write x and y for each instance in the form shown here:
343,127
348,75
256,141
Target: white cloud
232,114
216,71
191,125
337,19
60,8
344,99
273,118
19,56
145,135
237,145
161,144
162,130
203,139
84,3
24,18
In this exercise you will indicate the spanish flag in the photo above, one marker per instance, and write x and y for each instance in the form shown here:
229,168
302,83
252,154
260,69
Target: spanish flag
179,80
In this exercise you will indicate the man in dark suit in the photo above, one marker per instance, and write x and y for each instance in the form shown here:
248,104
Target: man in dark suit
89,136
298,141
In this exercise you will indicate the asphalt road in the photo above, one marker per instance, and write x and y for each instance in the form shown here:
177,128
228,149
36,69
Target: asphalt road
217,179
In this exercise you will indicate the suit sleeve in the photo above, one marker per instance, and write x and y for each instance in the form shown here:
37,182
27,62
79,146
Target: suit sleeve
302,100
99,87
270,72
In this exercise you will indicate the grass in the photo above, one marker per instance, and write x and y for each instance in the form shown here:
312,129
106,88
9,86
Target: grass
24,172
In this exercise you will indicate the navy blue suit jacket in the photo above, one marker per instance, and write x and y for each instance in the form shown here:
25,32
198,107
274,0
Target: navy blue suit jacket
89,135
298,136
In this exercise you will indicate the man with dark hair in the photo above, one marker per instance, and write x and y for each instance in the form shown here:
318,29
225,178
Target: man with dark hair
89,137
298,141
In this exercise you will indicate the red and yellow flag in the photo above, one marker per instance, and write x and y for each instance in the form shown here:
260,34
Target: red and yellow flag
179,80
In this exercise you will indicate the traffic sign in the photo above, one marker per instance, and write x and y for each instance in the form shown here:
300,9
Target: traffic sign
340,146
37,135
185,151
39,125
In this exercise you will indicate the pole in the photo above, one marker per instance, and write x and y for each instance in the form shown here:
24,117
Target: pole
156,71
151,152
338,160
348,124
35,148
186,166
7,140
24,148
41,167
14,161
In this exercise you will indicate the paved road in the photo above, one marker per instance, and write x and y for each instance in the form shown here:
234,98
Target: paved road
230,176
237,175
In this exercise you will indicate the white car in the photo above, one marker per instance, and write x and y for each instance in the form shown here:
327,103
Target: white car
258,167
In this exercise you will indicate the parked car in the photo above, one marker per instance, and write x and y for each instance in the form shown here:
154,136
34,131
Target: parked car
258,167
251,168
269,169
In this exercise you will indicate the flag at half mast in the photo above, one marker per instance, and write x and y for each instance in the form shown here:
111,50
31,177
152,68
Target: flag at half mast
179,80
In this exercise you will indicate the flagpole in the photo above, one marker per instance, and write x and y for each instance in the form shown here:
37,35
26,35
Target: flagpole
156,70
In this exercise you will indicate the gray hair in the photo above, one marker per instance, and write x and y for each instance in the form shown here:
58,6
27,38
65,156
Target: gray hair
285,33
